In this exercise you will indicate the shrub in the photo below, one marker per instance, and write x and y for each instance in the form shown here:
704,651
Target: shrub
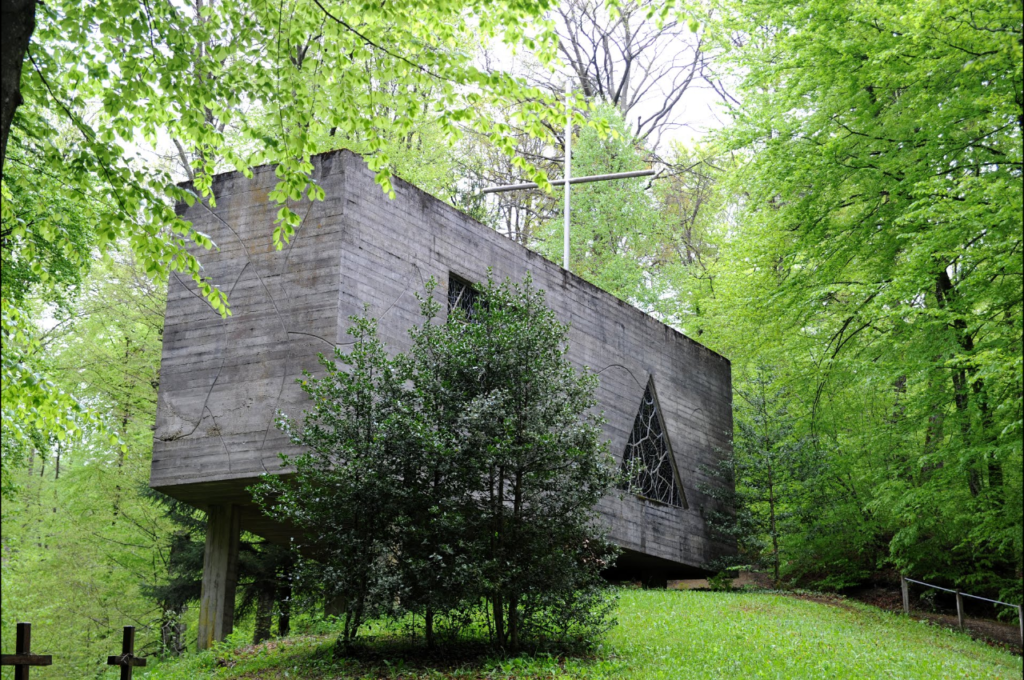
465,471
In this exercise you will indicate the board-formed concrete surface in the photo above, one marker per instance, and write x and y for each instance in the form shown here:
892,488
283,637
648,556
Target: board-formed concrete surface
222,380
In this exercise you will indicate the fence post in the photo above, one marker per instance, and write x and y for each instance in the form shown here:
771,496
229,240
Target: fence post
1020,620
906,594
959,609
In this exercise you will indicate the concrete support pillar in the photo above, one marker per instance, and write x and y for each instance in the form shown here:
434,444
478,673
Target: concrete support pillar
220,574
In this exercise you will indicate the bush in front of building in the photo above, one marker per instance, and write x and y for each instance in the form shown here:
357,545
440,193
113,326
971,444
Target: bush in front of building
456,482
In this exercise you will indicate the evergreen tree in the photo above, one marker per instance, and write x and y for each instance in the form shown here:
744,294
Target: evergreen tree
771,466
497,385
465,470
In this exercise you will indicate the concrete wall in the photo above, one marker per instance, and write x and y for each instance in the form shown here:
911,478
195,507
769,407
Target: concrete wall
222,380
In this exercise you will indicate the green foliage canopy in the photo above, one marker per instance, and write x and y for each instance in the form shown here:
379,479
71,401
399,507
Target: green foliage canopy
616,228
115,72
81,537
233,84
876,260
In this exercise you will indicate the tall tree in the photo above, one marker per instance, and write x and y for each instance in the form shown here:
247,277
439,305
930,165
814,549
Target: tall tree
45,245
346,497
516,214
877,258
768,471
498,386
635,56
644,58
81,538
694,207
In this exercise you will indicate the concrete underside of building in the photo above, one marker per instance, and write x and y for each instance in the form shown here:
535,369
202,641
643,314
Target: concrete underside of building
223,379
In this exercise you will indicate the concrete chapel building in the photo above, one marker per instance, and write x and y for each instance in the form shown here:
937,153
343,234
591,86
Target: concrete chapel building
667,399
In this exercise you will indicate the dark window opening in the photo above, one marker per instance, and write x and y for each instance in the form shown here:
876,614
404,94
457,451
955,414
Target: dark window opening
647,463
461,295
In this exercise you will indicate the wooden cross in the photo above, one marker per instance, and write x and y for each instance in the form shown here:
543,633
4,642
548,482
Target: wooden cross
23,658
127,659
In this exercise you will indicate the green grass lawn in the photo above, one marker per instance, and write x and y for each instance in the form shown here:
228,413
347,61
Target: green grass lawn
671,634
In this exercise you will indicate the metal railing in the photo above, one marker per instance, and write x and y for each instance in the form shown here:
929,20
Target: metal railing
905,588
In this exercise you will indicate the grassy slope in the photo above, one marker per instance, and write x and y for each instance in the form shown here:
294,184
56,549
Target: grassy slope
668,634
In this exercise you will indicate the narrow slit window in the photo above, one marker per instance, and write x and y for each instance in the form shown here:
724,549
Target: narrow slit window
647,465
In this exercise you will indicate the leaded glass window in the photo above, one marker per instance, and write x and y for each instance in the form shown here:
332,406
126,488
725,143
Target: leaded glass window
461,295
647,461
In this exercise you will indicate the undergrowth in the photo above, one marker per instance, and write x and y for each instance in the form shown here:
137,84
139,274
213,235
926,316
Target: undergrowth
662,635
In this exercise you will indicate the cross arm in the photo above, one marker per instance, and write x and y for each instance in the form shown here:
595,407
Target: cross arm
26,660
572,180
125,660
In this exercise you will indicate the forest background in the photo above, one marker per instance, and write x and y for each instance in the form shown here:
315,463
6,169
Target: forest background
849,236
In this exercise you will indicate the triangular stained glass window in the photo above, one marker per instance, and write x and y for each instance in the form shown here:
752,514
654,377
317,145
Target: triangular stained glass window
647,464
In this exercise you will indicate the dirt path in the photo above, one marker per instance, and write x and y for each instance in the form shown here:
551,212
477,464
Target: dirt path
1005,634
996,633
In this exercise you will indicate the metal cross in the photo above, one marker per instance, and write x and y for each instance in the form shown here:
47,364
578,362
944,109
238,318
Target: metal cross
569,180
23,658
127,659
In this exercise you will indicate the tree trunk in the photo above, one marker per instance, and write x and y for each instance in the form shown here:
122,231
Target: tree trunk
932,439
995,470
497,551
172,630
498,607
775,533
284,619
17,23
428,627
513,622
264,616
513,599
354,618
944,290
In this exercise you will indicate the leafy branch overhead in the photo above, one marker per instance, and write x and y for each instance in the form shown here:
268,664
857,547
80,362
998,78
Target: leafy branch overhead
99,76
233,84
